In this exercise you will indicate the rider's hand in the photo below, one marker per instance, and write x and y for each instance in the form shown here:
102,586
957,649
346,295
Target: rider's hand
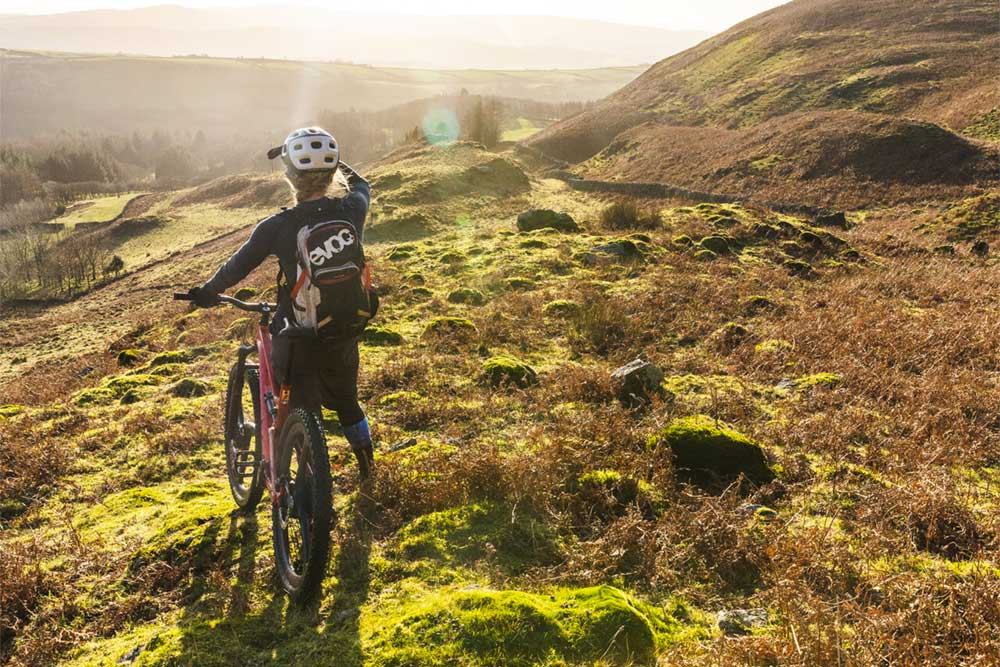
203,298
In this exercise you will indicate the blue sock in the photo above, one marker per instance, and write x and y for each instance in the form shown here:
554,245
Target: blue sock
359,435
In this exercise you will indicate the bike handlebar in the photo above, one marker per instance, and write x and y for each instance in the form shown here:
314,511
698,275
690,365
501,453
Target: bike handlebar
232,301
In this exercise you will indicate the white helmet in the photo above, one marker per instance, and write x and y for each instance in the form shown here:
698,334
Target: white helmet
308,149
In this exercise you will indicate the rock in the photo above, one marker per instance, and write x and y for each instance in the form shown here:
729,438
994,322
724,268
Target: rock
683,240
534,219
741,621
981,248
637,381
798,268
623,250
131,656
717,244
706,452
704,255
831,219
506,370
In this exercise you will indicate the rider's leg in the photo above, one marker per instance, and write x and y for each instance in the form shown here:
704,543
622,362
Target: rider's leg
338,380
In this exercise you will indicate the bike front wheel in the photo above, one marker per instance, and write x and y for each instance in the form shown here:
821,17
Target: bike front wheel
303,515
243,438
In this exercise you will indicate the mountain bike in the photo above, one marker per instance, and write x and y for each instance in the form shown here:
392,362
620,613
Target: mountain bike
269,446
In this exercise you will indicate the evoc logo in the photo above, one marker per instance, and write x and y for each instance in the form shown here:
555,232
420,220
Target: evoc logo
333,245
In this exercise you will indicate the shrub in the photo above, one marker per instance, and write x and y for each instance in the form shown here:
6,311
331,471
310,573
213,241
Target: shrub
627,215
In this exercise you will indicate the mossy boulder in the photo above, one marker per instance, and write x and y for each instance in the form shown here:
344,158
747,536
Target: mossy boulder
705,255
706,451
717,244
451,328
189,388
731,335
608,493
128,358
798,268
245,293
533,243
420,293
381,335
398,254
506,370
468,296
534,219
561,308
682,241
170,357
114,388
451,257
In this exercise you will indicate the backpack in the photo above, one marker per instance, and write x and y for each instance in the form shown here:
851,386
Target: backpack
332,293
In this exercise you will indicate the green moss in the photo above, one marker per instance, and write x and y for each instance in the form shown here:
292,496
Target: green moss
701,444
561,308
850,255
798,268
970,218
168,370
400,397
128,358
517,629
767,163
683,241
533,243
756,304
414,279
705,255
985,126
519,283
827,380
452,257
398,254
381,335
171,357
11,410
420,293
239,328
717,244
245,293
503,370
189,388
114,388
450,327
467,295
773,346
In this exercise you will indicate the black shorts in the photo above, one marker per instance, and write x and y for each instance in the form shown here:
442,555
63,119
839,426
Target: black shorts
321,373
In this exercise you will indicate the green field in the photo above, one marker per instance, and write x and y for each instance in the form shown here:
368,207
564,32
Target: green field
100,209
525,128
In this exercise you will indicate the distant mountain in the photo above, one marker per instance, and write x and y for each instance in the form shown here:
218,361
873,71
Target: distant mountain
858,75
448,42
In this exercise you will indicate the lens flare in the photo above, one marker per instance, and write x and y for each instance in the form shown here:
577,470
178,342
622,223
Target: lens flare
441,126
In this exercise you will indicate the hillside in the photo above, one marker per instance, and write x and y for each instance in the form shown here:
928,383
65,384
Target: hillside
899,59
812,478
120,94
275,31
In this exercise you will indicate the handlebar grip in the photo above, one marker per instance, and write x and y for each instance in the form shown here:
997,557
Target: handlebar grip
183,296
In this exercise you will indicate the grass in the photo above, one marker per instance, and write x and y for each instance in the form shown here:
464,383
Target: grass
540,521
101,209
526,127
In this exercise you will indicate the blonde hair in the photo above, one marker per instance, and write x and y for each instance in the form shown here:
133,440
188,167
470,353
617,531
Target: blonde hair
311,184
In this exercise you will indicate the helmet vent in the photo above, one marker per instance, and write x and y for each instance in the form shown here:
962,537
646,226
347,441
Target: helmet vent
329,159
316,144
306,160
297,147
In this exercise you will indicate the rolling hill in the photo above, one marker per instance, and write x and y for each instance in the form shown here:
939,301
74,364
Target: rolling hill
829,58
118,94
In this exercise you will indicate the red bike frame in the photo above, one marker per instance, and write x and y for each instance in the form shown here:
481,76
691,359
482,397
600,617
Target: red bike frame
273,410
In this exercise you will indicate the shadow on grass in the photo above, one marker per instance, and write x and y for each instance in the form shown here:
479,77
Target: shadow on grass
251,622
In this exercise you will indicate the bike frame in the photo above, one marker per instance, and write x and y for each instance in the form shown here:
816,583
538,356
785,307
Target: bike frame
273,410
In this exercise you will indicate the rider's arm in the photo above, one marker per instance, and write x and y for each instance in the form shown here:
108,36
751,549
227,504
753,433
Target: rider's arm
359,199
246,259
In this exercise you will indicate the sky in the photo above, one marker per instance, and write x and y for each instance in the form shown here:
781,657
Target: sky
710,15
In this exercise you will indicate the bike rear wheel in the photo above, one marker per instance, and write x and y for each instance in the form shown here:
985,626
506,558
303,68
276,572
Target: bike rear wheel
303,515
243,438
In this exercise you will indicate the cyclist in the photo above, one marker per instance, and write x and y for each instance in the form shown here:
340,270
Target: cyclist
321,372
